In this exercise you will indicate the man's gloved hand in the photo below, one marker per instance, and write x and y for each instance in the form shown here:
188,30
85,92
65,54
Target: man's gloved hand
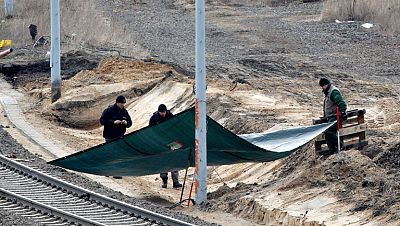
343,115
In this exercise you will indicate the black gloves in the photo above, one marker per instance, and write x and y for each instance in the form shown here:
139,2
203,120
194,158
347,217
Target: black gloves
343,115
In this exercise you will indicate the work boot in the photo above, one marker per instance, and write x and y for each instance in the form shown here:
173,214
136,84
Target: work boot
177,185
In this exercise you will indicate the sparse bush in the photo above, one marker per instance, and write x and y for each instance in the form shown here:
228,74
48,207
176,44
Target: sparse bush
384,12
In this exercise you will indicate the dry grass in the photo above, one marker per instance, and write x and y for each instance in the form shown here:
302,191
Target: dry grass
272,3
82,24
384,12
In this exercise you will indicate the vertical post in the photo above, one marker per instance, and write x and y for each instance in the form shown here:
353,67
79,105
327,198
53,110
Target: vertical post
8,8
55,50
200,118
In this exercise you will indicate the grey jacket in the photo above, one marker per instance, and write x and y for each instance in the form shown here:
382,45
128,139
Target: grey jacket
333,99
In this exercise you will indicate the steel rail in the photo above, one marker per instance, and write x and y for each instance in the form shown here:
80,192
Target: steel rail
75,194
48,209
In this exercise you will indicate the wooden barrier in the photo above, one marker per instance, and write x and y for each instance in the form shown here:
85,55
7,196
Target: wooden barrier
352,131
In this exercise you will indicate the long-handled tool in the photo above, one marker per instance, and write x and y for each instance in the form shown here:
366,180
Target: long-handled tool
184,180
338,127
191,188
181,200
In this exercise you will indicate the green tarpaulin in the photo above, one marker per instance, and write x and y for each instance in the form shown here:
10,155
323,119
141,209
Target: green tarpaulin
165,147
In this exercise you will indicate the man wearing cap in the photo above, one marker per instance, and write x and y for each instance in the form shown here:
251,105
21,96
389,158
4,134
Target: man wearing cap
159,116
333,99
115,119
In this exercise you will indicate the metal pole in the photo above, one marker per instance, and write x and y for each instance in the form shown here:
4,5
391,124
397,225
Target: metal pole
8,8
55,50
200,119
338,128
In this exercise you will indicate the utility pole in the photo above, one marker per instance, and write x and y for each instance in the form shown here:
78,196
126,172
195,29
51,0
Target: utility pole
200,117
8,8
55,50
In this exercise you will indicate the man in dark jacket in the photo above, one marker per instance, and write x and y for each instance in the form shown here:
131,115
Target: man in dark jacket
115,119
32,31
333,99
159,116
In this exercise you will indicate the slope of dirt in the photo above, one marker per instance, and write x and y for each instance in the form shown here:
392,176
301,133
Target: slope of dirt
389,159
239,106
302,181
338,179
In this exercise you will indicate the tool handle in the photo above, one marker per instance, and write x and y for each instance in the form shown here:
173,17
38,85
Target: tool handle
338,118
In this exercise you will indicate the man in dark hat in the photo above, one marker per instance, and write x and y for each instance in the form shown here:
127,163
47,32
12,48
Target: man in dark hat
115,120
159,116
333,99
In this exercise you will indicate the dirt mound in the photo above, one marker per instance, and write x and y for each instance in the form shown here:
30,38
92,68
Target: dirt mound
240,107
389,159
225,197
86,94
351,177
302,159
245,200
113,70
23,67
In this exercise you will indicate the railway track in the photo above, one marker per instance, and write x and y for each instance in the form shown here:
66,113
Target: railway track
51,201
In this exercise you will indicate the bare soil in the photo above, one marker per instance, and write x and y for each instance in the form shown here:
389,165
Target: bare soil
263,65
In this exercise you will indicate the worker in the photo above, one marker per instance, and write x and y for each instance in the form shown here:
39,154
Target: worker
161,115
115,120
333,99
32,31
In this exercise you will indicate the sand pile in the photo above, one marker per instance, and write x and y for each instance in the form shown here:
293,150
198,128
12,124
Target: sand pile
350,176
88,93
353,178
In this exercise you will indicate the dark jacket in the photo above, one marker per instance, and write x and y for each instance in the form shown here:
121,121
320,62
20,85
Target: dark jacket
333,99
111,114
156,118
